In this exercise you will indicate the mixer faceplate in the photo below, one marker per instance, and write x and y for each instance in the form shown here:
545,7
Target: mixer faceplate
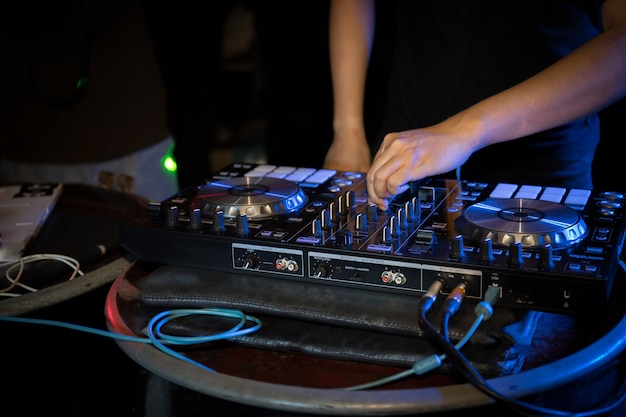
531,222
256,197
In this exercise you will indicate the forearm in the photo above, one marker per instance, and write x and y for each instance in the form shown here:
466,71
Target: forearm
581,83
351,32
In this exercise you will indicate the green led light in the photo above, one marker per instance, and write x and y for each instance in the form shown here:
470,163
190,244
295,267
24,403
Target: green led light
81,83
169,164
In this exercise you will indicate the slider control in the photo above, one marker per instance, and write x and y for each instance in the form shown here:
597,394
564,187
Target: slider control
342,208
343,239
372,213
385,235
360,222
333,212
325,219
394,226
402,218
417,209
316,227
425,237
350,200
409,210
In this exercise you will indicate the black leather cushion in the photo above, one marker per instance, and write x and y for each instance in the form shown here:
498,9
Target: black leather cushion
325,320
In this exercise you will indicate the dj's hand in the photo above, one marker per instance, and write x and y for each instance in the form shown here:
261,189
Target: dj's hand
349,153
412,155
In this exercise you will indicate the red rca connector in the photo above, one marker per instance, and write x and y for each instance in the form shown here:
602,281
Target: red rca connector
387,277
280,264
455,298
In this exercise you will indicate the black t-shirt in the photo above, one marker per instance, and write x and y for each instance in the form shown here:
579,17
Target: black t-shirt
451,54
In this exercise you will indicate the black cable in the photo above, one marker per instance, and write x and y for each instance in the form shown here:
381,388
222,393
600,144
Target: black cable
445,321
451,306
469,372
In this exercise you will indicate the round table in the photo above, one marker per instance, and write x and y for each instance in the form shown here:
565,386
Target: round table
552,369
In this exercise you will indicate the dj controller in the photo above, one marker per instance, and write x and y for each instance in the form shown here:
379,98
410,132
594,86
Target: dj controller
545,248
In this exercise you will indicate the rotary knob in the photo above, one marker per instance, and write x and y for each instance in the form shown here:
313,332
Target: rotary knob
515,254
546,260
242,224
172,216
322,270
456,247
485,253
250,261
195,219
218,221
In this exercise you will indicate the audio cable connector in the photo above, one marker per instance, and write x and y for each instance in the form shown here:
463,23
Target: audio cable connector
452,305
454,300
484,309
431,295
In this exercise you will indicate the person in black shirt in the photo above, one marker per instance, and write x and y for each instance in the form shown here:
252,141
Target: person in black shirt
491,90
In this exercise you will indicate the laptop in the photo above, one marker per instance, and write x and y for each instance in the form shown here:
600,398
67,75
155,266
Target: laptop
23,211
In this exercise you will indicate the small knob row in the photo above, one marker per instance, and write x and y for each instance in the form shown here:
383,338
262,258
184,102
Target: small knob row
195,220
514,256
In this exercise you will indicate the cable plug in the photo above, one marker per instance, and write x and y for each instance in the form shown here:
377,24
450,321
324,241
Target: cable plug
485,307
427,364
431,295
455,298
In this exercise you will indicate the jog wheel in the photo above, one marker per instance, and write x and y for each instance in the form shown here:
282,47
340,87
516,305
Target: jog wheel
534,223
256,197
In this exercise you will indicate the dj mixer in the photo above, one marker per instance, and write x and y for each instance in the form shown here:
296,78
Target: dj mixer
545,248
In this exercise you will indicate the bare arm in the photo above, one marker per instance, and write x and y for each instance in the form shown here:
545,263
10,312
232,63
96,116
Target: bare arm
590,78
351,32
581,83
